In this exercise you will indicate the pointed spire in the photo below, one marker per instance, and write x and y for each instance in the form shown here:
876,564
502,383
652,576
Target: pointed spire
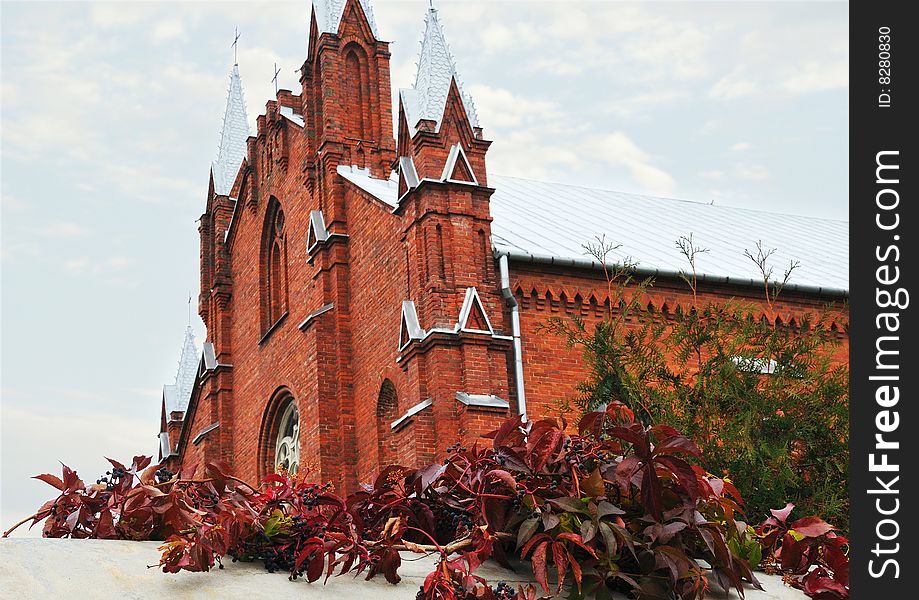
232,149
436,69
329,13
177,395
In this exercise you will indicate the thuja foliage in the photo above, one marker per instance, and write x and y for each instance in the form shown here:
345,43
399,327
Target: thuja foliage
616,507
763,399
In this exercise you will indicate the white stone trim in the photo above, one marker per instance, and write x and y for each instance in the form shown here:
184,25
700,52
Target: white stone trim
197,439
482,400
319,311
409,327
317,232
411,413
472,299
165,448
457,153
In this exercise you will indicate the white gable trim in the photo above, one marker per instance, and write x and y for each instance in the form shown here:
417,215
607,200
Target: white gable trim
472,299
317,232
457,153
408,171
409,328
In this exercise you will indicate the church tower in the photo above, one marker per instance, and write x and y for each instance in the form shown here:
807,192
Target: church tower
216,283
453,335
213,396
347,102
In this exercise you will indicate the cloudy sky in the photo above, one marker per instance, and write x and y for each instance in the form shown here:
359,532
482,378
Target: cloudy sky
110,114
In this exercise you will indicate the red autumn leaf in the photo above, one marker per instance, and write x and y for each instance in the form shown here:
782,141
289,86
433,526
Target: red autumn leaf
540,537
140,462
314,572
52,480
560,558
540,570
811,526
504,477
782,514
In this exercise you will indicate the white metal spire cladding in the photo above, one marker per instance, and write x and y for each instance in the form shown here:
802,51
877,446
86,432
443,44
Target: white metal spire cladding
329,13
177,395
232,148
436,69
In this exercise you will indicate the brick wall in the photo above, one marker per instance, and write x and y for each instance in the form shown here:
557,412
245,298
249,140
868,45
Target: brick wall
551,371
344,367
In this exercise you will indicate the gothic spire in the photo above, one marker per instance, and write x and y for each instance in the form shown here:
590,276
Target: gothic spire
232,148
177,395
329,13
436,69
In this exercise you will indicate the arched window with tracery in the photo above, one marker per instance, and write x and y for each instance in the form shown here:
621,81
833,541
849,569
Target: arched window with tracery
280,434
287,442
274,267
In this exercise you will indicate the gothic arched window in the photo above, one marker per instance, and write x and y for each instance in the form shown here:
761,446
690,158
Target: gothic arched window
279,434
274,267
287,442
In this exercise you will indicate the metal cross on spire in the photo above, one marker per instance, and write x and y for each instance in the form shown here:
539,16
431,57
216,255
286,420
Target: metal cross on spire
189,308
275,78
235,45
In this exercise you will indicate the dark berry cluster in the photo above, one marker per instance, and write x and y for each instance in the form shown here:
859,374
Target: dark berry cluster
111,478
163,475
504,592
457,447
203,498
275,560
310,494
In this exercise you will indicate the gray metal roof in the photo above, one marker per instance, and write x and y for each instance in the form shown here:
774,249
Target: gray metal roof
436,69
551,222
176,395
547,221
233,134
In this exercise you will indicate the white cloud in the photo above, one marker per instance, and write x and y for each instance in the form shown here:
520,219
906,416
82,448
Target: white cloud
643,103
714,174
741,146
732,86
499,107
11,202
62,229
815,76
168,29
104,268
77,265
751,172
618,149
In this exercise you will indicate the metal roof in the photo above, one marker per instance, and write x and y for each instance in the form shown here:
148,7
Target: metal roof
551,222
233,134
176,395
436,69
329,13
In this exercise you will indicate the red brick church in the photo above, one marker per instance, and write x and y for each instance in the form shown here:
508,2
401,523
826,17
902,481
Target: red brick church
371,299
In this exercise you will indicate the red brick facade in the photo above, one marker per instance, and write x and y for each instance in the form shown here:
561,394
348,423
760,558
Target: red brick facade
314,317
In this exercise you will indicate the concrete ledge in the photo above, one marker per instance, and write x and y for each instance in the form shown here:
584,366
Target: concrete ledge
99,569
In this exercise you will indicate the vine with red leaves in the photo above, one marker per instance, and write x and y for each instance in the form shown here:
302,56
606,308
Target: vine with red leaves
617,507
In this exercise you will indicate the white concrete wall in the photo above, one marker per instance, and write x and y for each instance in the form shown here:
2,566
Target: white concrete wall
98,569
